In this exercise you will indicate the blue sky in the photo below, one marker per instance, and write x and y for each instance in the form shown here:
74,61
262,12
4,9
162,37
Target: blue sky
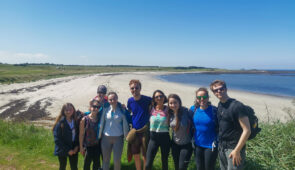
231,34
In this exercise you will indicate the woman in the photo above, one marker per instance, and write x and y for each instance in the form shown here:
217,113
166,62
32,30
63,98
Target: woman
205,123
114,127
65,132
159,131
89,143
181,124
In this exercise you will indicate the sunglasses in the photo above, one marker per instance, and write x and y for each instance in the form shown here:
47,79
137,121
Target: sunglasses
159,97
96,106
221,89
202,97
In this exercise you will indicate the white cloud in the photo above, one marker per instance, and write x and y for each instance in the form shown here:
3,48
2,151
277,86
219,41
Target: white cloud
14,58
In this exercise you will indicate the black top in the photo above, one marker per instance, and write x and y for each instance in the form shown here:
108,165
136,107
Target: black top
63,138
229,127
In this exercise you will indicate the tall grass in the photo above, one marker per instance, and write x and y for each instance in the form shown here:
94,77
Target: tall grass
32,147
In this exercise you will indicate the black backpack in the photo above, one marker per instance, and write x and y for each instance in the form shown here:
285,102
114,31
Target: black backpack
253,122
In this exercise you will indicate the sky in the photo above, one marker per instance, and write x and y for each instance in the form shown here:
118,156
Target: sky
231,34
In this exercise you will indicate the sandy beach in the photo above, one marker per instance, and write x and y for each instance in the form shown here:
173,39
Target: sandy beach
41,101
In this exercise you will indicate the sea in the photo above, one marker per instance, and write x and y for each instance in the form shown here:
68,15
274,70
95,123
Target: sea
272,82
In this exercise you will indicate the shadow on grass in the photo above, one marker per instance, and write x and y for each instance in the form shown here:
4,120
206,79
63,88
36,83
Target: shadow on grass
251,164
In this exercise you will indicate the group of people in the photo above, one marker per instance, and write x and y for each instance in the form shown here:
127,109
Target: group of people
146,123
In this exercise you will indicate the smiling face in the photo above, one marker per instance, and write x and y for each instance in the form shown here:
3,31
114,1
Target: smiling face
219,91
173,104
94,108
202,98
69,111
159,98
135,89
113,99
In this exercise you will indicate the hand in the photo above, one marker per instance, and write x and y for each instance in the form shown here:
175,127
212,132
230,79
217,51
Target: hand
236,157
71,152
76,149
82,151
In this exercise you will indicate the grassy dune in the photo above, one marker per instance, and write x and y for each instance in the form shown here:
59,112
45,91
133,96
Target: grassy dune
25,146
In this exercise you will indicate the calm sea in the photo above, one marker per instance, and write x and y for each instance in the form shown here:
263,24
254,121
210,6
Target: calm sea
280,83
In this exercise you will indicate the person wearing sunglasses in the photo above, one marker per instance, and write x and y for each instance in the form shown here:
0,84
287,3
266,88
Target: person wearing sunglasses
205,134
89,142
138,136
234,128
159,131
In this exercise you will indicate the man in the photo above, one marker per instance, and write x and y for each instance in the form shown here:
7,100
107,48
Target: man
234,128
139,106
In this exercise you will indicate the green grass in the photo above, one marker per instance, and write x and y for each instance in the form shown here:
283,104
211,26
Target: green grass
32,72
25,146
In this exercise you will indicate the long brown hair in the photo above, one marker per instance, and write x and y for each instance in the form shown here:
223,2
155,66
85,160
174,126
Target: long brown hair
204,89
62,113
179,112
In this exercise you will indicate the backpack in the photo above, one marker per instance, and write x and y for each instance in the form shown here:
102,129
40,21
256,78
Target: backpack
253,122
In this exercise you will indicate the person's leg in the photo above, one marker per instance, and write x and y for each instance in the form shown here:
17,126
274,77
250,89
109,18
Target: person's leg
199,158
74,161
230,161
95,157
62,162
222,158
117,153
185,156
210,158
137,161
88,158
165,148
175,154
106,152
99,153
151,152
135,150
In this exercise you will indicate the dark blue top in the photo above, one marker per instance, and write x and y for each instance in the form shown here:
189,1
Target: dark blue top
205,126
63,138
140,111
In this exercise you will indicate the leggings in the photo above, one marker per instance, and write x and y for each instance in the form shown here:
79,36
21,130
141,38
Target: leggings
73,162
205,158
92,155
109,144
181,155
162,140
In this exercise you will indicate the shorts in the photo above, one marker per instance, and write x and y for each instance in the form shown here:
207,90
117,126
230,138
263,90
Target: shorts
137,144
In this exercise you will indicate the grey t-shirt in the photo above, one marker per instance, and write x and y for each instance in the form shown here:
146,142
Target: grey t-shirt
183,135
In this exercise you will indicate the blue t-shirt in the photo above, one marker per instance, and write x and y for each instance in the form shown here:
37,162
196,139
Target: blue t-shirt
140,111
205,125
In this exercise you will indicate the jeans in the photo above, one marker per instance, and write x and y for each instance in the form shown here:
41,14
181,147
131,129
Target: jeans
226,163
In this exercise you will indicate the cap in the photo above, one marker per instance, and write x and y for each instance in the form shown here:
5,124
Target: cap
102,89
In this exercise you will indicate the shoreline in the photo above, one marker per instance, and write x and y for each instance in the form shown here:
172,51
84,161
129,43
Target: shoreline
42,100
